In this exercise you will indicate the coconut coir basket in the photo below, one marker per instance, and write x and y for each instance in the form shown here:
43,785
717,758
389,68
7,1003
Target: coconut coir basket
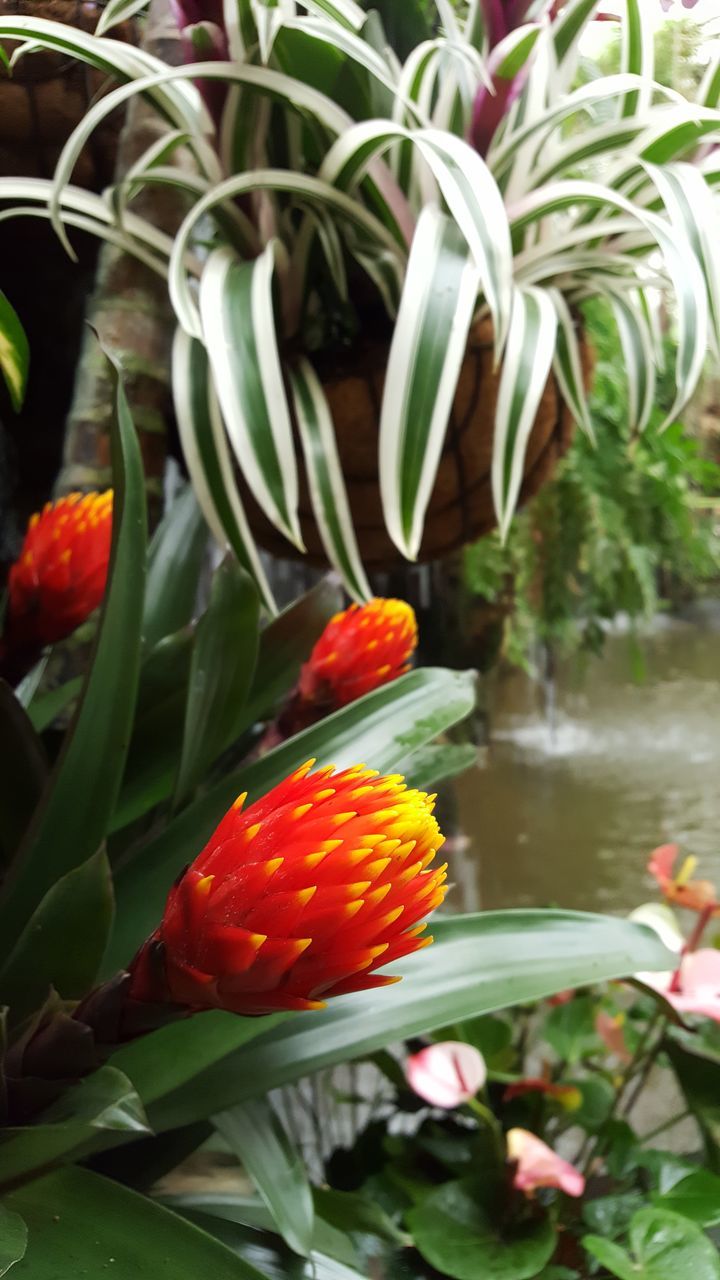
461,507
47,96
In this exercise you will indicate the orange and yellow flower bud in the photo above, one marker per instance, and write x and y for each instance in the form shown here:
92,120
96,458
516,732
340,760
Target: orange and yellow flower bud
360,649
300,897
59,577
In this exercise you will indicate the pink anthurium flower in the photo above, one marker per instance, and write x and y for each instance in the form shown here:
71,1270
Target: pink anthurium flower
680,888
446,1074
694,987
610,1028
537,1165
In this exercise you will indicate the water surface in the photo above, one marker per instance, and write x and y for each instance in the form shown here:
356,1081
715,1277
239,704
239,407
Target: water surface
567,805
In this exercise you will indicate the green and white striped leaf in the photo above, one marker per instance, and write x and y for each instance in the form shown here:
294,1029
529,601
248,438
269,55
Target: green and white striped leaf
525,369
345,12
170,97
14,353
327,487
207,457
428,346
638,55
239,333
304,189
708,94
695,214
568,27
607,88
567,364
467,187
117,11
639,357
681,265
90,211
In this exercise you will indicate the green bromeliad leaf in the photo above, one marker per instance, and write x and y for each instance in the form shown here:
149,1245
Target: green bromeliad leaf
73,815
477,963
14,353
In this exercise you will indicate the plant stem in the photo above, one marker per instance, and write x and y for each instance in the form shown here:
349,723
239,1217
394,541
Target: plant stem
666,1124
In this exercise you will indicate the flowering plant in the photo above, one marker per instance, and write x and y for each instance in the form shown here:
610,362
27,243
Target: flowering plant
575,1138
330,181
164,948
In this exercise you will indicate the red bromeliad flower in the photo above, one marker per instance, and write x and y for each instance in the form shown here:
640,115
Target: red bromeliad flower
360,649
59,577
299,897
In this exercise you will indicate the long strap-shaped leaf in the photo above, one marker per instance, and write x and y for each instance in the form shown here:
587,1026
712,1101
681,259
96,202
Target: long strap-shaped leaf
327,487
694,211
72,817
637,348
168,89
567,365
681,265
526,365
467,187
238,319
253,1131
14,353
208,460
305,190
429,341
638,55
117,11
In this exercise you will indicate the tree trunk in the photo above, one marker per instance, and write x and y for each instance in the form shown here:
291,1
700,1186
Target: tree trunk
131,313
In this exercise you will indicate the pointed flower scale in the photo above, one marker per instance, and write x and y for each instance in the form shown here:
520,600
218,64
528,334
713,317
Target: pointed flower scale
59,577
298,898
360,649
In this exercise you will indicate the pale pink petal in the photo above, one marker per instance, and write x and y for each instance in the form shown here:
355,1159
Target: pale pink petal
610,1031
539,1166
446,1074
562,997
699,988
662,861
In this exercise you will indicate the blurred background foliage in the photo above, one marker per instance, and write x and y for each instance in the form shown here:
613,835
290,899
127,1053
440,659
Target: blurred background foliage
626,526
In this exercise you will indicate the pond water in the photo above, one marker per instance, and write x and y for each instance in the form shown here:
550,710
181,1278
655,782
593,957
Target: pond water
567,803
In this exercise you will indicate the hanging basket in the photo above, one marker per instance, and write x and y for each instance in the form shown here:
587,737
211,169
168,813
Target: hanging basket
47,96
461,506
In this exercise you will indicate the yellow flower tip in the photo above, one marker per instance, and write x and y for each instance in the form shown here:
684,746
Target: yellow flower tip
238,804
300,811
384,669
272,865
252,831
256,940
66,556
303,896
202,888
339,819
327,846
304,769
323,795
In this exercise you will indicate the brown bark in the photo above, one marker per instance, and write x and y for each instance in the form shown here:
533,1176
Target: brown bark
131,313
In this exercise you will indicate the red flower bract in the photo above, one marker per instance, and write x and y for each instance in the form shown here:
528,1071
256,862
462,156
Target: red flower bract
59,577
299,897
360,649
